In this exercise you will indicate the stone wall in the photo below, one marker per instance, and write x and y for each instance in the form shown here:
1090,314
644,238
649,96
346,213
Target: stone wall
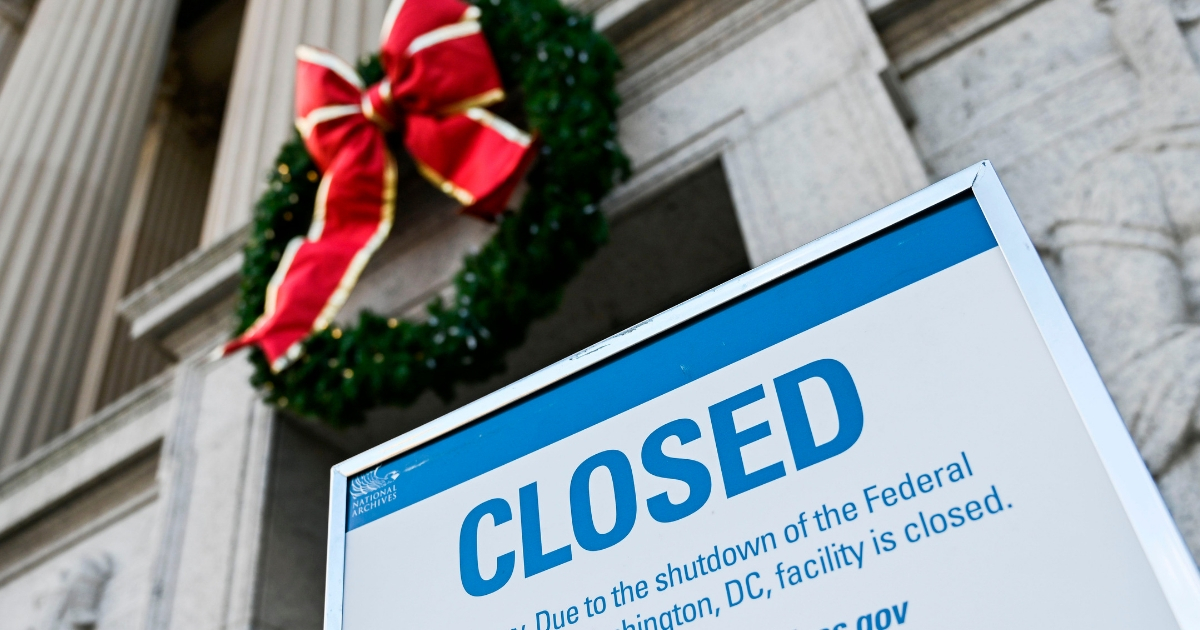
1093,129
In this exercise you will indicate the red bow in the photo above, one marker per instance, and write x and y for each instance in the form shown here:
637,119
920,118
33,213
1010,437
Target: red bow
439,75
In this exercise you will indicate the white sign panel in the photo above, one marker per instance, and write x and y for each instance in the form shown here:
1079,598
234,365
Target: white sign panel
895,426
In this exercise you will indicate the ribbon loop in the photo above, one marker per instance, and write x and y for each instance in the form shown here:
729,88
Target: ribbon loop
439,74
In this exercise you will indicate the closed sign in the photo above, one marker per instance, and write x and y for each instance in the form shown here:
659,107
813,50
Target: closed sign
895,426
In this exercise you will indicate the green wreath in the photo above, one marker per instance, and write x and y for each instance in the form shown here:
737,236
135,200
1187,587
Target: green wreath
563,73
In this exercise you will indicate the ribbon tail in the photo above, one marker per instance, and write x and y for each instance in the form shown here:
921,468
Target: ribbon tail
254,333
354,213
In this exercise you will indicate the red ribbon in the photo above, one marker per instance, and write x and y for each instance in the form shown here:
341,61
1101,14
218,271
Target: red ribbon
439,76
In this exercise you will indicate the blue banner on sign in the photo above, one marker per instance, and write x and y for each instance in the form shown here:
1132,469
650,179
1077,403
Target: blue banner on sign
871,269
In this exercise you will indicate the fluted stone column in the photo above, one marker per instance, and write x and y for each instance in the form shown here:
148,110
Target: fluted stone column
72,113
13,16
259,113
161,225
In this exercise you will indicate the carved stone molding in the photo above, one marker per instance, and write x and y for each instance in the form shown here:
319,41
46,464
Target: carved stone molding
80,608
1128,244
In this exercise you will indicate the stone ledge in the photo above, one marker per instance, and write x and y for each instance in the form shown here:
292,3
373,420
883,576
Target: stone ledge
717,40
941,31
115,435
618,18
198,281
613,14
82,532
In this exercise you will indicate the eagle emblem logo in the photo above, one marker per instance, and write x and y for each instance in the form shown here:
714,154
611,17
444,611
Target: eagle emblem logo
370,482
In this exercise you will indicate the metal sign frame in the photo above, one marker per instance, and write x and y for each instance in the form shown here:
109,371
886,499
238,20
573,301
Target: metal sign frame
1161,542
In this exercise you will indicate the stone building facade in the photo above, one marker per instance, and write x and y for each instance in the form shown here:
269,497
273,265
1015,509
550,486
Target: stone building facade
144,485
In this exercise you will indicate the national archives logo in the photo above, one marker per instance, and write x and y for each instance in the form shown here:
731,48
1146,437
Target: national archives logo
372,490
